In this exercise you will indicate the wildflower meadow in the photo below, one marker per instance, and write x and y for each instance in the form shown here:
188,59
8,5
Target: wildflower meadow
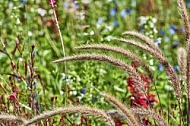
94,63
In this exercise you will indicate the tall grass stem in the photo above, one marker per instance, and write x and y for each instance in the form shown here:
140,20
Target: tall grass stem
64,54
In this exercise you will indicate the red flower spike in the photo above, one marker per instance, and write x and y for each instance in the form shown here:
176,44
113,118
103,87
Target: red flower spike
151,98
137,99
145,79
141,100
13,98
130,85
52,3
129,81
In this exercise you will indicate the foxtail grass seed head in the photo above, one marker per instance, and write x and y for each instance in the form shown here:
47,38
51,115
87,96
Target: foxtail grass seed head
119,50
70,110
188,68
131,120
12,118
116,114
130,70
182,61
170,71
143,38
185,17
150,114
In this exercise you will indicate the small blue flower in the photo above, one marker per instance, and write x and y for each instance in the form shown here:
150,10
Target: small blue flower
66,5
162,32
76,5
23,1
129,11
173,26
167,39
83,91
172,31
115,23
176,43
100,21
160,67
181,29
158,41
94,99
34,53
176,68
113,12
123,13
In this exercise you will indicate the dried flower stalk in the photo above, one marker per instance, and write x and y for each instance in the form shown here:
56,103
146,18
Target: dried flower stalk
73,109
170,71
144,38
11,118
116,114
182,61
151,114
131,120
122,51
185,17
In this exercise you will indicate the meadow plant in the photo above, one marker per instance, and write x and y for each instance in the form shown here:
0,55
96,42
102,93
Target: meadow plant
147,45
141,111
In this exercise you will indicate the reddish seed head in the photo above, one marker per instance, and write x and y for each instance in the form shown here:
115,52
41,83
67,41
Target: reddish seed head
134,64
118,122
12,97
146,122
152,98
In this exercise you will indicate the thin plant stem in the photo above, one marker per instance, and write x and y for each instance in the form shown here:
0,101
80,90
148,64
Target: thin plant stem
60,34
188,111
2,42
64,54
